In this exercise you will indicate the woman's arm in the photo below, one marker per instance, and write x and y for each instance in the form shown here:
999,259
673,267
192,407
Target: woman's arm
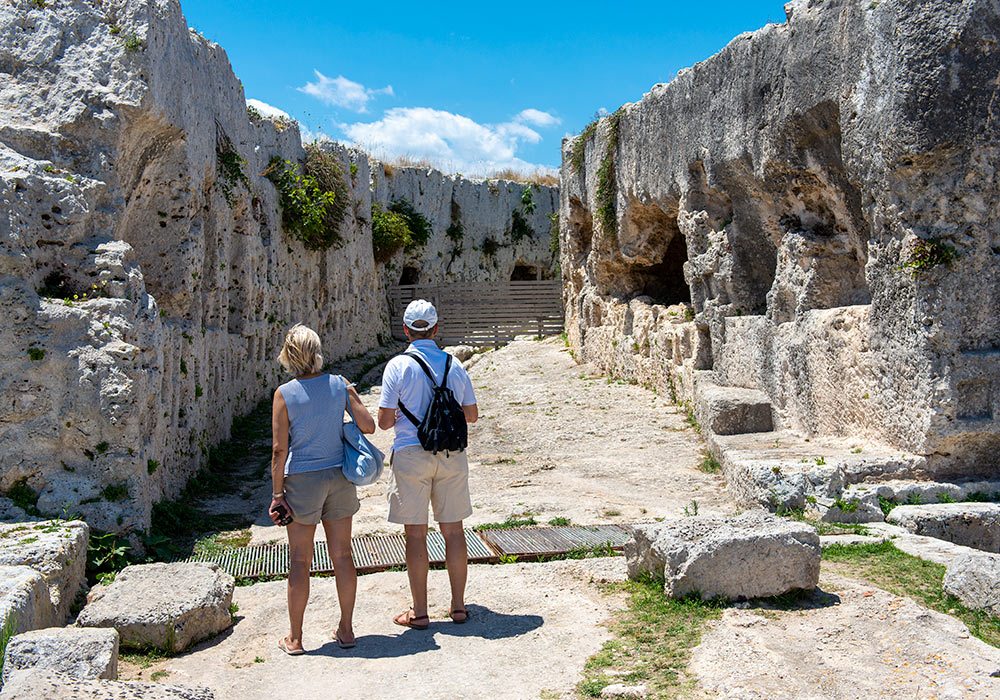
279,453
366,424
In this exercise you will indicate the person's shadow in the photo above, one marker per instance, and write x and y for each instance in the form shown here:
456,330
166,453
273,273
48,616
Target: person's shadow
483,623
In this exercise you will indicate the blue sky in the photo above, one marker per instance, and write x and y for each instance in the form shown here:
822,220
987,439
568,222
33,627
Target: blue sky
475,86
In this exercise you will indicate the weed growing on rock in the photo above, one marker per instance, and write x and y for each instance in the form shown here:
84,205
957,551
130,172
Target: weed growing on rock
23,496
490,247
528,200
846,505
229,165
420,227
578,154
519,228
927,253
314,203
389,233
554,233
560,522
254,115
115,492
691,510
455,231
132,42
889,568
606,183
8,630
107,554
36,354
710,465
151,466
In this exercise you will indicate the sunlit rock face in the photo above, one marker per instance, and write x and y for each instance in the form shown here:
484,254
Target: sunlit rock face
781,214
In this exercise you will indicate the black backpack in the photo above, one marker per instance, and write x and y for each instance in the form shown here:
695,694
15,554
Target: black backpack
443,428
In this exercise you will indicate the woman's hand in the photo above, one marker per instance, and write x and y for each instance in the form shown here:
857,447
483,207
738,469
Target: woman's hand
275,502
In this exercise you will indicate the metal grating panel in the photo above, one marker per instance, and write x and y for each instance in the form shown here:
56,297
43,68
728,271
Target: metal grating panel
370,553
539,541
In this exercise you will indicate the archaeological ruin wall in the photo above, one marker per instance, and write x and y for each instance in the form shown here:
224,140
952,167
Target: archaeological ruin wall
146,278
482,230
811,214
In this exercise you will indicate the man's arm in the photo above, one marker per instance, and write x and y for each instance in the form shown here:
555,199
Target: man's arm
471,413
386,417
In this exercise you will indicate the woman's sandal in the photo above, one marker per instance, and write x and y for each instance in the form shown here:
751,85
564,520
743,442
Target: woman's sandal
408,619
452,614
290,652
341,643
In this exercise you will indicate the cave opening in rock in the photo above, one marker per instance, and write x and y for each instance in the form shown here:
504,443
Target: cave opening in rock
664,282
411,275
523,272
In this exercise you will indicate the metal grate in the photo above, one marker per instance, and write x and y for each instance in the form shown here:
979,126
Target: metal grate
379,552
538,541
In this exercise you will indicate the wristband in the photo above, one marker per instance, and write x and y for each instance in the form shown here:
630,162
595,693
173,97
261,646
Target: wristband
278,495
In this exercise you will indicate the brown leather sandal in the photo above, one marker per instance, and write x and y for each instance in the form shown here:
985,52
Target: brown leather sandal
408,619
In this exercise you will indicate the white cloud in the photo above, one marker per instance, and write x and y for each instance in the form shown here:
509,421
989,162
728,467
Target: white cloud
267,110
451,141
538,118
341,92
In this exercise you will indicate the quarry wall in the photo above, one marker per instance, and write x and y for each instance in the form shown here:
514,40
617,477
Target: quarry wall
786,215
146,278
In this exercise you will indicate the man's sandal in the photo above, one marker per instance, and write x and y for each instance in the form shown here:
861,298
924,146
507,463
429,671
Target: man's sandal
408,619
341,643
465,619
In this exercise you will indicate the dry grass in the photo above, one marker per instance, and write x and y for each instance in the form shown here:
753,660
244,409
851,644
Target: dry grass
539,176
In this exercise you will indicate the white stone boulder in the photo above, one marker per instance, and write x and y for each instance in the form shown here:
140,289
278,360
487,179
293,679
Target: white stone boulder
974,525
24,598
753,555
730,410
162,606
32,685
56,549
975,580
463,353
68,651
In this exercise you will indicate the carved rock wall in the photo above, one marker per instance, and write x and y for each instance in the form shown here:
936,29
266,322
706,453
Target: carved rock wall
112,116
774,193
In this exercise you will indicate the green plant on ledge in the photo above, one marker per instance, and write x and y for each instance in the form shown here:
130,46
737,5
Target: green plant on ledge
519,227
390,232
579,152
314,203
606,183
927,253
455,231
229,165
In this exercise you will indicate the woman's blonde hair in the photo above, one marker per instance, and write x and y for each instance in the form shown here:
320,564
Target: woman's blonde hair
301,352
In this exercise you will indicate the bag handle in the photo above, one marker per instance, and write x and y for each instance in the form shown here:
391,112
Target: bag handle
348,402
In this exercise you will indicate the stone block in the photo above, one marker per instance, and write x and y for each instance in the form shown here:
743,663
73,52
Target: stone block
24,598
975,580
974,525
56,549
754,555
853,506
728,410
73,652
31,685
163,606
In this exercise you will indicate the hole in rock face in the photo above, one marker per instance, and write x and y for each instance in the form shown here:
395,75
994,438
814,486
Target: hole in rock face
411,275
523,273
664,281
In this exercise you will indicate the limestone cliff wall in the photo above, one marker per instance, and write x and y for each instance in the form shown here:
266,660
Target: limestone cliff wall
113,116
775,193
485,244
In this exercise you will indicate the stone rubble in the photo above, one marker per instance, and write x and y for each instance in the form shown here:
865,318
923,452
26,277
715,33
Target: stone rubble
71,652
970,524
753,555
162,606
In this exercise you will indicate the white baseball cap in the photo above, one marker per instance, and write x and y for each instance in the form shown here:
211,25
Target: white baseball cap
420,310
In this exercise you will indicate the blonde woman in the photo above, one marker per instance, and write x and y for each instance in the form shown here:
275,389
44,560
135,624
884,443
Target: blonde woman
307,424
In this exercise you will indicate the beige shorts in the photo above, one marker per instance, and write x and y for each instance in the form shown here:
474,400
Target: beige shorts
320,495
419,477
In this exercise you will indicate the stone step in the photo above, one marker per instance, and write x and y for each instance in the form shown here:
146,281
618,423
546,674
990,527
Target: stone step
729,410
975,525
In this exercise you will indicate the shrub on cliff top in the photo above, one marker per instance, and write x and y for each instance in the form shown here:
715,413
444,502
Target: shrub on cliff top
389,232
314,203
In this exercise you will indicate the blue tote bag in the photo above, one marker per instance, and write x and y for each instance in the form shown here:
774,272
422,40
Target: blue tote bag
362,460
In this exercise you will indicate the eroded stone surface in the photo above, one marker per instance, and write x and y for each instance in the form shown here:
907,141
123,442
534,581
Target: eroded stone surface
732,410
31,685
975,580
769,243
753,555
971,524
24,597
162,606
67,651
57,549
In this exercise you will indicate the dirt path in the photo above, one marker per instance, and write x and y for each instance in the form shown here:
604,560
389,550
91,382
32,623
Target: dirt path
532,628
557,439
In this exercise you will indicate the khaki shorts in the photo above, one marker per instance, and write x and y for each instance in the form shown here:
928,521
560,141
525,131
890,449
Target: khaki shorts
320,495
419,477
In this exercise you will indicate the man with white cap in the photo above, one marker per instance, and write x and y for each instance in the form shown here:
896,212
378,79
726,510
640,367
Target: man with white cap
419,477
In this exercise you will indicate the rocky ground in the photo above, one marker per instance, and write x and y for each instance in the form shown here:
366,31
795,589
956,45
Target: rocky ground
557,439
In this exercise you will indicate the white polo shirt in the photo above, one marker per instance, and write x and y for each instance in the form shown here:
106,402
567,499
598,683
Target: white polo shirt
404,380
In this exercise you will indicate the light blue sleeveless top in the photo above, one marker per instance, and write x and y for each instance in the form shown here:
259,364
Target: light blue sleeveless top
315,423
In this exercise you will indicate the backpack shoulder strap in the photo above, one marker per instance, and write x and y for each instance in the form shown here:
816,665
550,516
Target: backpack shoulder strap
424,367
